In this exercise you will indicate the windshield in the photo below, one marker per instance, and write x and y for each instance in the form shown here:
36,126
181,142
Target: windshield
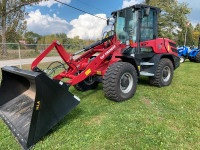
126,26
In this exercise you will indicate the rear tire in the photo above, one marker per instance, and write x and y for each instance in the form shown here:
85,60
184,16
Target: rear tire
182,59
164,73
197,58
120,81
86,85
191,60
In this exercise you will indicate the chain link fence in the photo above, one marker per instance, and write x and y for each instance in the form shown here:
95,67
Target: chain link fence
19,51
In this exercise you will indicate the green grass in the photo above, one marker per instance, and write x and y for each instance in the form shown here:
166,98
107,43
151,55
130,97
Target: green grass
155,118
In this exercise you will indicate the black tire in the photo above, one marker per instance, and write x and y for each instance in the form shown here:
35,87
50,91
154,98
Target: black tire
164,74
191,60
182,59
120,81
86,85
197,58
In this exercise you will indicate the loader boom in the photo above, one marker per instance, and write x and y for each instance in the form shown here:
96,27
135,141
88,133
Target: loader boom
83,66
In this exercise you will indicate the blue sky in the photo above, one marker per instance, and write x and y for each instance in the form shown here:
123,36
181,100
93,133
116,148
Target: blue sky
50,17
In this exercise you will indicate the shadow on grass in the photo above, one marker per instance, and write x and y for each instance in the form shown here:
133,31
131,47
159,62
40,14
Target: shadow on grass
143,81
74,114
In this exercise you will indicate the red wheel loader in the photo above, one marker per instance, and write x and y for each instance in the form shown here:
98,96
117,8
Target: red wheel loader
31,102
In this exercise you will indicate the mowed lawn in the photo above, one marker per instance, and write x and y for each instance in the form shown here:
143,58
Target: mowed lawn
155,118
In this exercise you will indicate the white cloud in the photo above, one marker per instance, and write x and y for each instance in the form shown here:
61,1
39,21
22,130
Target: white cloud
45,24
127,3
49,3
87,26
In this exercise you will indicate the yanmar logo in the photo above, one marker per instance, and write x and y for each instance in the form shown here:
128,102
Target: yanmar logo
103,56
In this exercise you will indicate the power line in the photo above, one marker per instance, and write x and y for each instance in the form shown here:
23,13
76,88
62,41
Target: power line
84,11
80,10
91,6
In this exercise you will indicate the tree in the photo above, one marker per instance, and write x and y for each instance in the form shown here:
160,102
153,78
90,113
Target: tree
196,34
32,38
189,37
12,14
172,18
197,28
48,39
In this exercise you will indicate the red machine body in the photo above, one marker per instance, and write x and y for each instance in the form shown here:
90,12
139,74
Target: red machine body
82,67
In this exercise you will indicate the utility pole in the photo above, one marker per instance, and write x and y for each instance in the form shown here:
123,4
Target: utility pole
186,34
185,37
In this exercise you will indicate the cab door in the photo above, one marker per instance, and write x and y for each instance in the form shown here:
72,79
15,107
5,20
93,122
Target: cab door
147,32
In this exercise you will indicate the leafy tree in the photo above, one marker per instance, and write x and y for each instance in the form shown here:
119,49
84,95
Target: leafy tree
69,43
172,18
12,14
32,38
196,34
48,39
189,37
197,28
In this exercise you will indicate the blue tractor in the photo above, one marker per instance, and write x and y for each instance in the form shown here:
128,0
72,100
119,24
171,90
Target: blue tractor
183,53
189,53
194,55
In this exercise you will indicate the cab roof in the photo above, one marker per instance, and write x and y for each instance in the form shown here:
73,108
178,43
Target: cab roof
138,6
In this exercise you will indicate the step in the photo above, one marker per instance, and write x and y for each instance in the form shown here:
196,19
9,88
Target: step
146,64
144,73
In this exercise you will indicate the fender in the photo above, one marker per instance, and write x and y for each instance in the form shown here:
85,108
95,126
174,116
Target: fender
156,58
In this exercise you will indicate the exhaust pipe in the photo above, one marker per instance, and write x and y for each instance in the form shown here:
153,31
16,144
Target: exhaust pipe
31,103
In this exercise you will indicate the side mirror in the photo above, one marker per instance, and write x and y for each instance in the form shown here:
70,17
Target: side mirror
108,21
147,11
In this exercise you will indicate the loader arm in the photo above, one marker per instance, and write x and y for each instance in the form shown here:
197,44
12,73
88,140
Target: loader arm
83,66
60,49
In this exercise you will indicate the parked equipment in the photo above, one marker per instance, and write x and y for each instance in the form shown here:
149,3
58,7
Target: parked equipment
194,55
187,53
31,102
183,53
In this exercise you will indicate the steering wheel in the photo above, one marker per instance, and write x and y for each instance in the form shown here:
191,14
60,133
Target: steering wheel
123,36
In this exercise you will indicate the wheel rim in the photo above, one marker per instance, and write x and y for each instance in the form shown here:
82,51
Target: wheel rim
166,74
126,82
181,60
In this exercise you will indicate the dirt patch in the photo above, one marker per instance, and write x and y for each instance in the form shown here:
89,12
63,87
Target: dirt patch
96,120
175,128
146,101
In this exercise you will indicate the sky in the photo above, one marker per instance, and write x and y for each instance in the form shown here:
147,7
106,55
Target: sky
50,17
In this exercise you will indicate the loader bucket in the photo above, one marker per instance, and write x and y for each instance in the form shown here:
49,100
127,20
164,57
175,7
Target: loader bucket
31,103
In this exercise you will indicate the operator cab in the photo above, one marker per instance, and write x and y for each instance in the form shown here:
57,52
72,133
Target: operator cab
136,24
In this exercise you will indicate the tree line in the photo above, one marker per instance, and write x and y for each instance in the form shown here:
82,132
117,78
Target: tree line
173,24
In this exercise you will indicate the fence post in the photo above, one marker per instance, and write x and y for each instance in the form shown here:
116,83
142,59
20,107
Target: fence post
20,63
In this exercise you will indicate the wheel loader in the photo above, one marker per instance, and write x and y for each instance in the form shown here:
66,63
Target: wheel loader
32,102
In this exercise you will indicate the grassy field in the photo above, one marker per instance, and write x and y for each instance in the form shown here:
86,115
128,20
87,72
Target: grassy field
155,118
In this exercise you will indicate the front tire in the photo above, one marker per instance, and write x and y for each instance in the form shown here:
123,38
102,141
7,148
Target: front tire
120,81
164,73
197,58
87,84
182,59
